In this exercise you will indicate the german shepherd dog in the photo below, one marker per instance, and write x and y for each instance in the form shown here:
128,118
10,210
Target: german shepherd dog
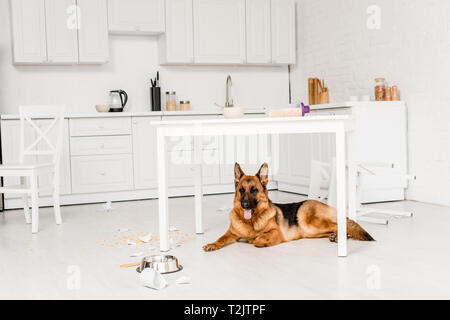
264,224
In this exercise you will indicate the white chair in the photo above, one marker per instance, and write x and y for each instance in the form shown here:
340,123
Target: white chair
43,145
362,211
320,179
324,174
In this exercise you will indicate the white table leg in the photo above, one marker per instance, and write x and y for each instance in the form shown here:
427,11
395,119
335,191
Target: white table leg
198,184
341,193
352,175
164,244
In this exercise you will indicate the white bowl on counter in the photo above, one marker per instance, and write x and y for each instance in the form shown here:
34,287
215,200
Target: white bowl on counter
233,112
102,108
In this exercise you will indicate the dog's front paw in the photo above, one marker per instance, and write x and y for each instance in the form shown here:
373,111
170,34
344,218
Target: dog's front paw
261,242
211,247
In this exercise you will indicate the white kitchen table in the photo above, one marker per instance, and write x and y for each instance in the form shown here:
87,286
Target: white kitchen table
341,126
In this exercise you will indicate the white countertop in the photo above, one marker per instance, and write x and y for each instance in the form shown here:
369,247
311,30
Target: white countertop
212,111
215,111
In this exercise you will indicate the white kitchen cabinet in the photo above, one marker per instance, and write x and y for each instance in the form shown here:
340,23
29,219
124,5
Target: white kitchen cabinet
295,154
219,31
180,158
136,16
387,146
100,126
249,151
259,42
101,154
176,45
144,153
59,31
62,34
83,146
28,31
283,31
93,45
181,170
102,173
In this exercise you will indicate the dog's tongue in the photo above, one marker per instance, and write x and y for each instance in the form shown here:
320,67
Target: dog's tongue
247,214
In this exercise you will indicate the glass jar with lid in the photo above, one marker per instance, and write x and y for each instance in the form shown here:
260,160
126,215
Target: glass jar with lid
185,105
380,89
171,101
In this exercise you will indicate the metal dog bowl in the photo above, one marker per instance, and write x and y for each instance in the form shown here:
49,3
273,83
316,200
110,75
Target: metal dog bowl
160,263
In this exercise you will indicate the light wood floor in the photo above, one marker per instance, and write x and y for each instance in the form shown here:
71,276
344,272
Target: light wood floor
409,260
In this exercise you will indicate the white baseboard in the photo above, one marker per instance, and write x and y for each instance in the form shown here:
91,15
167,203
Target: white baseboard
72,199
369,196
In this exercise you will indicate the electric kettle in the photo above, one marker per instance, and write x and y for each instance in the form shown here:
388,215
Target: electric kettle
119,99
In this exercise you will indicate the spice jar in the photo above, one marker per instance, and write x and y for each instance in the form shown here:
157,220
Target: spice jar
395,95
171,101
380,89
185,105
388,95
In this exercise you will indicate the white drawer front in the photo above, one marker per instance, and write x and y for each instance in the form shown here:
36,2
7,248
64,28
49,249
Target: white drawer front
100,126
82,146
102,173
181,168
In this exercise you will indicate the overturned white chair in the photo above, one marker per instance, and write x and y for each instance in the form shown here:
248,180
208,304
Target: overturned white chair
48,143
323,175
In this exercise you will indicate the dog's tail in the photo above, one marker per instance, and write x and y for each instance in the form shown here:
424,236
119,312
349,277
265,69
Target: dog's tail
356,232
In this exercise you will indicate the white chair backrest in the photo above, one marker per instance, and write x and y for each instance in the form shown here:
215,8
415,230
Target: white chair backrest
45,139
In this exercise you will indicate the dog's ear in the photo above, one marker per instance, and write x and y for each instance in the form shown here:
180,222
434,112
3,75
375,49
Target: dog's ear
238,173
263,174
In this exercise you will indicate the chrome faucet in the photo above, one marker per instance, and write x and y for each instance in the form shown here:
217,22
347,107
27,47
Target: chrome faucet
229,101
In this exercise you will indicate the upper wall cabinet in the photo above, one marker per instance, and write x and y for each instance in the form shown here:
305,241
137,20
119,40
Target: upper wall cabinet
260,32
136,16
176,45
28,31
62,37
93,32
283,32
59,31
259,42
219,31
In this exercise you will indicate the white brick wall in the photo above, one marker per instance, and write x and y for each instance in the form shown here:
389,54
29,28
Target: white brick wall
411,49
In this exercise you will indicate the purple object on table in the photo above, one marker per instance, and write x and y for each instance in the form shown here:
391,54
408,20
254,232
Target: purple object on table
305,109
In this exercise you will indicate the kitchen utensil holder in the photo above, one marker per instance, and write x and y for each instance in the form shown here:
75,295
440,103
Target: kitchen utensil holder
155,94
